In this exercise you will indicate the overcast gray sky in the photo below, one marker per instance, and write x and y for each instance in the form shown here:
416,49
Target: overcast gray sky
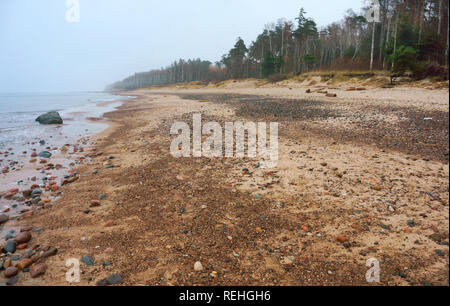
41,52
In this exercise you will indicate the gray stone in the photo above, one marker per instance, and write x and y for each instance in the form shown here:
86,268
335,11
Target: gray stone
3,218
9,246
114,279
87,260
45,154
50,118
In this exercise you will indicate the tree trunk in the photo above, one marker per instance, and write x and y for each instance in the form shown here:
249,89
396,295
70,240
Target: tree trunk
395,42
373,46
421,17
387,41
440,18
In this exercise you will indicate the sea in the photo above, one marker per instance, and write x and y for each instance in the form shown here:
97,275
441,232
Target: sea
21,135
18,112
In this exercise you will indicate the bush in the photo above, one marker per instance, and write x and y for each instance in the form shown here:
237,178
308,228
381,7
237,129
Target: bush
405,59
277,77
430,70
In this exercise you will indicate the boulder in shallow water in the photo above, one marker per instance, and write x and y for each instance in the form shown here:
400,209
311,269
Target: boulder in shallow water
45,154
50,118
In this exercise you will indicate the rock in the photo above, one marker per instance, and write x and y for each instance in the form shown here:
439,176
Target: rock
23,237
95,203
331,95
22,246
50,252
102,197
411,223
7,263
9,246
198,266
87,260
11,272
36,193
435,237
12,281
45,154
377,187
341,239
50,118
287,261
113,279
27,193
38,270
24,263
3,218
109,223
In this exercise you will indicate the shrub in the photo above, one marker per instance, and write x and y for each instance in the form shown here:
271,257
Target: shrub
278,77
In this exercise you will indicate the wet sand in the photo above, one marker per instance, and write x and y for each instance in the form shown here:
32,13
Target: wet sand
341,194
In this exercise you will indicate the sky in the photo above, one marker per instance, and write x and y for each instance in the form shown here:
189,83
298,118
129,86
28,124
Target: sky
40,51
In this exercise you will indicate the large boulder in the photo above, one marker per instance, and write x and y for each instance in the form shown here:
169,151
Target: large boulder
50,118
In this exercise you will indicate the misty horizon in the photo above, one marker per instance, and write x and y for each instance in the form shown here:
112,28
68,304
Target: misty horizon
115,40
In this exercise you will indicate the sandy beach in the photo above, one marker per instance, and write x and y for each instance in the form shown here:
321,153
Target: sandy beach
361,175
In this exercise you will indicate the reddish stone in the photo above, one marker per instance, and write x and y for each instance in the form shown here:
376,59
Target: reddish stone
11,272
24,263
38,270
341,239
109,223
22,246
95,203
376,187
23,237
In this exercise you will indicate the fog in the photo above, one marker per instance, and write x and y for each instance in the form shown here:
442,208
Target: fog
40,51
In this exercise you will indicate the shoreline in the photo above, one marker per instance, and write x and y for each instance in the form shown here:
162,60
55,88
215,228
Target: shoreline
15,199
150,217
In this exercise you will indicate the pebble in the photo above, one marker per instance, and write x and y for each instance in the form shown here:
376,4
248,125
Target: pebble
198,266
24,263
50,252
11,272
114,279
95,203
9,246
38,270
23,237
286,261
341,239
12,281
3,218
87,260
109,223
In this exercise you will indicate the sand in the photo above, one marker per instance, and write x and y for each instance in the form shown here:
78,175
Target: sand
250,226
